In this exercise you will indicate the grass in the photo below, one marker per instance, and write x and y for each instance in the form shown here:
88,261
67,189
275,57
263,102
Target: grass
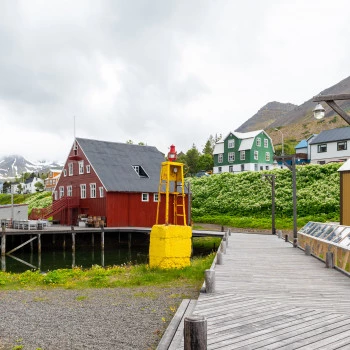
108,277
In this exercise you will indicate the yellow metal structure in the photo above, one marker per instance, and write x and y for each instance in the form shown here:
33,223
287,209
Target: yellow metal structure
171,244
172,182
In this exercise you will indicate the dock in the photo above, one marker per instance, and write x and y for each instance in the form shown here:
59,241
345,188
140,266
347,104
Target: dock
269,295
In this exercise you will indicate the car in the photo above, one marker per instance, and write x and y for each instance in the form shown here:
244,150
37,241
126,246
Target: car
202,173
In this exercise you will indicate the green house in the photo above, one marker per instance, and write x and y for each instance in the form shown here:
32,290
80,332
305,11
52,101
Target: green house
237,152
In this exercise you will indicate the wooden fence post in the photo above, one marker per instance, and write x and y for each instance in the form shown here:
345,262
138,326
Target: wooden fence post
223,246
286,238
195,333
3,239
210,281
279,232
330,260
102,237
219,258
307,250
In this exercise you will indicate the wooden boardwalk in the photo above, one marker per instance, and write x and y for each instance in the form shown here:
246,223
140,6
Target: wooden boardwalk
270,295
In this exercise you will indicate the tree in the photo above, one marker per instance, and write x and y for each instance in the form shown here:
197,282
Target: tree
19,188
209,146
205,162
192,157
39,186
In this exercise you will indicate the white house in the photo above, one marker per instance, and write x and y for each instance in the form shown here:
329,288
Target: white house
29,185
330,146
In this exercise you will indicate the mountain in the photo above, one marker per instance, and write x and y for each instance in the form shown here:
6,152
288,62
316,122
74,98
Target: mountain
297,122
15,165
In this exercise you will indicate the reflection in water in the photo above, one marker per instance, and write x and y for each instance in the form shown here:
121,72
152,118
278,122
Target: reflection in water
83,257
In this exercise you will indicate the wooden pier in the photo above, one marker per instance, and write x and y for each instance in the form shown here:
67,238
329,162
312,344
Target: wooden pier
269,295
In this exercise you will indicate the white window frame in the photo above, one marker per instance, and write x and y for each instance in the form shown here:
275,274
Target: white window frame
83,191
256,155
267,156
242,155
219,169
81,167
93,190
144,197
69,191
258,142
266,143
231,143
230,169
61,193
322,148
220,158
231,157
64,172
101,192
55,195
88,168
70,169
155,197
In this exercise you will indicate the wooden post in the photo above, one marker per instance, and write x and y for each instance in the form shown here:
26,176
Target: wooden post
286,238
93,240
3,239
223,246
210,281
229,232
102,237
307,250
103,258
329,260
219,258
3,263
73,239
53,239
279,232
226,239
64,242
39,244
129,240
195,333
31,246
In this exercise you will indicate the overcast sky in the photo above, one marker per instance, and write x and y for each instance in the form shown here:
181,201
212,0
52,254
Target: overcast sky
160,72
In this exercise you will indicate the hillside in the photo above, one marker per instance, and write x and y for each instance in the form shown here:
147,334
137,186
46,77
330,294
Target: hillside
297,122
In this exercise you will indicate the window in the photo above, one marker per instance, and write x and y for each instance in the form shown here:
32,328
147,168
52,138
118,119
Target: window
54,194
219,169
88,169
242,155
231,156
256,155
61,191
266,143
140,171
258,141
322,148
144,197
70,169
321,162
81,167
231,144
64,172
230,168
82,191
242,167
101,192
69,191
92,190
342,146
220,158
267,156
255,167
155,197
267,167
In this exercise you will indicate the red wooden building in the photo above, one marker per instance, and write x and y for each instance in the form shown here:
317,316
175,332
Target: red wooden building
114,181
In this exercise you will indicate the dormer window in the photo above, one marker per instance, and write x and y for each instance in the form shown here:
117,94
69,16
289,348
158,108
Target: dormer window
140,171
75,148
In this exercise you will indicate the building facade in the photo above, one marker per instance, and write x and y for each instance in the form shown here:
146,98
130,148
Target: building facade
330,146
52,179
237,152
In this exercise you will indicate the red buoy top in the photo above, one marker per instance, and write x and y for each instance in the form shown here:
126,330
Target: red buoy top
172,155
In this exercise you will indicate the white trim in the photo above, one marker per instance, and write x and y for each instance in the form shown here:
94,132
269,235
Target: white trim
93,190
144,197
83,191
70,169
81,167
88,168
101,189
155,197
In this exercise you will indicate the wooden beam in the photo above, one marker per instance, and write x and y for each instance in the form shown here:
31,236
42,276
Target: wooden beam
326,98
339,110
20,246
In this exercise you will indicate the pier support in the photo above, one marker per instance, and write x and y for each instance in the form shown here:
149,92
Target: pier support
210,281
3,240
102,238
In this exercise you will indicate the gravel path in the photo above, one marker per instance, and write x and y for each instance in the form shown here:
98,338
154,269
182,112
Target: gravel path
57,319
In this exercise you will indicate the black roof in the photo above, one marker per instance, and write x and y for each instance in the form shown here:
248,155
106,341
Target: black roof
339,134
113,163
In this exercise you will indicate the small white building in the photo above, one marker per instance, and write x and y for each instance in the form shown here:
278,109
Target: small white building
330,146
15,212
29,185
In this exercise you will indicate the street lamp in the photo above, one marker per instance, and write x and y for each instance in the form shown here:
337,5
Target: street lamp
330,100
282,141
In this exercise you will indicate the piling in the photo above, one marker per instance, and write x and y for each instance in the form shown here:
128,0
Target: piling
195,333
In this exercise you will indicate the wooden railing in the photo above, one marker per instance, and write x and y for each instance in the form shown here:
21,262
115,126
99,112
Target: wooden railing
54,208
